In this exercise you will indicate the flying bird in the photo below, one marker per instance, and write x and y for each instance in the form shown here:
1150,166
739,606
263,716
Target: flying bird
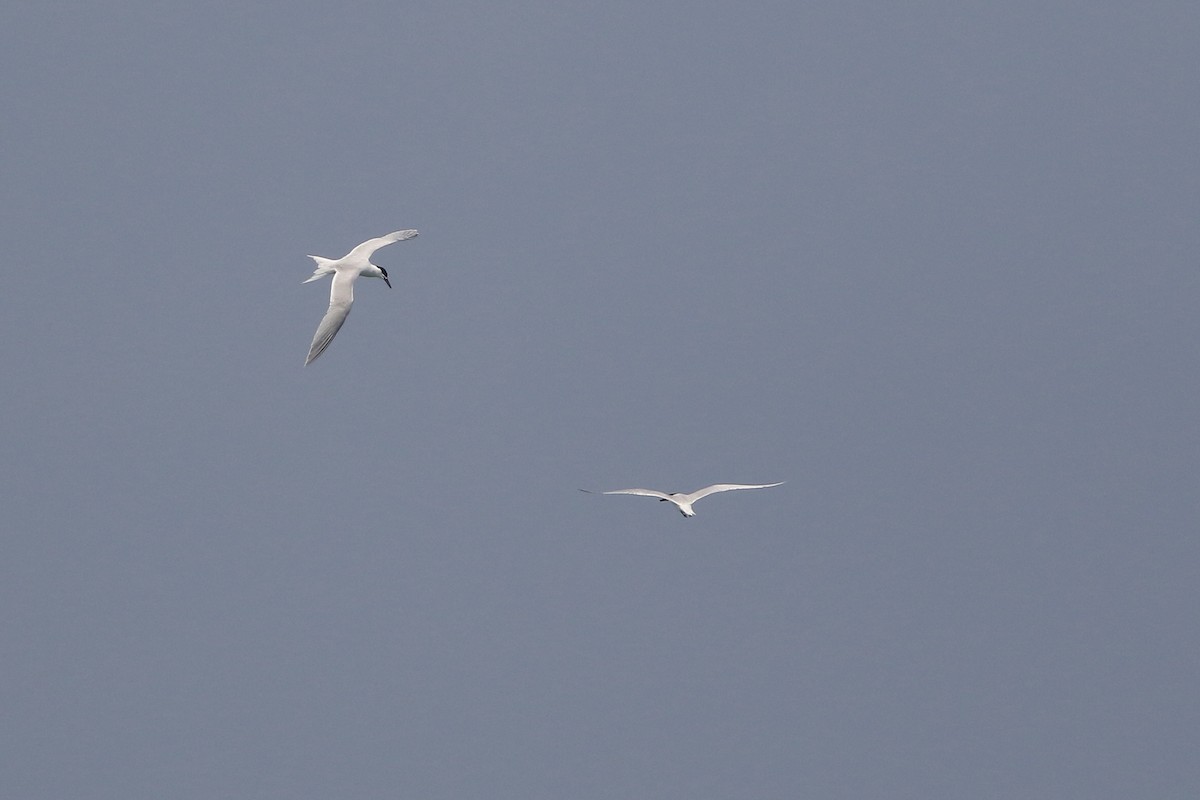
684,501
341,293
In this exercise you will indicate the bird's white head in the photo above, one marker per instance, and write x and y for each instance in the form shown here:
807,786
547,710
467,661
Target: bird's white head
383,274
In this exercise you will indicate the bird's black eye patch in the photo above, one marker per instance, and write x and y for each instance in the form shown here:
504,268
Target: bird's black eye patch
384,271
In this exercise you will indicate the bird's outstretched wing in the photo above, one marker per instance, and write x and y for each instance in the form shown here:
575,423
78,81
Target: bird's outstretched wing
642,492
341,297
728,487
364,250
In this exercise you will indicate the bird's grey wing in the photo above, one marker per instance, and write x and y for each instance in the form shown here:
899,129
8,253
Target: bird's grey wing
368,247
341,297
728,487
642,492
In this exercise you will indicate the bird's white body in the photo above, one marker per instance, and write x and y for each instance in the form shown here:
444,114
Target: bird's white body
684,500
341,294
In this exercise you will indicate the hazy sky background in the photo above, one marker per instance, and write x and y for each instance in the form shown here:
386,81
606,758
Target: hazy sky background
934,264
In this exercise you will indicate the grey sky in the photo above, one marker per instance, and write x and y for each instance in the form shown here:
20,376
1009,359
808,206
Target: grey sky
933,264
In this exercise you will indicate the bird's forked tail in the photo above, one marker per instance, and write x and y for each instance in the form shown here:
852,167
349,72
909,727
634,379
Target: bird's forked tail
322,269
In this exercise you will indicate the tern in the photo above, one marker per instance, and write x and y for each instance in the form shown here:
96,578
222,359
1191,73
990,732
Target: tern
341,293
684,500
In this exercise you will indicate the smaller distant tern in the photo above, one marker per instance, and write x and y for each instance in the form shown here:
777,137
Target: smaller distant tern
684,501
341,293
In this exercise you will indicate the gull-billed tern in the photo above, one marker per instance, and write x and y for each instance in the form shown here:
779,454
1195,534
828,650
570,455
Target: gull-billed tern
684,501
341,293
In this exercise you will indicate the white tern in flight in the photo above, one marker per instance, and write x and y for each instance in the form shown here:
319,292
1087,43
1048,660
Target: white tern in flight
341,294
684,501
